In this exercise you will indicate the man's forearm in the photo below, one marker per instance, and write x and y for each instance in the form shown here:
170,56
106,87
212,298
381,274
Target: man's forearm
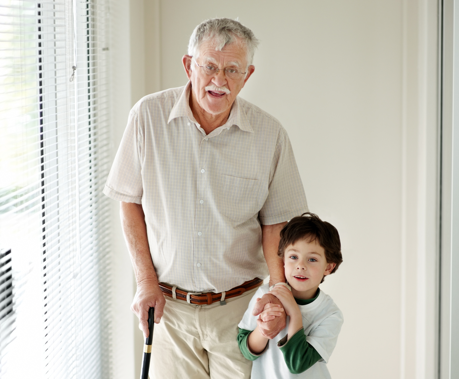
270,241
135,233
148,293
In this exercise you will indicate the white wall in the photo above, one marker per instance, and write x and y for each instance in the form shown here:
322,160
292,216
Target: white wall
335,74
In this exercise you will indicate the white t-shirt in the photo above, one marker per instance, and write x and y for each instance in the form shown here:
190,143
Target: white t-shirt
322,321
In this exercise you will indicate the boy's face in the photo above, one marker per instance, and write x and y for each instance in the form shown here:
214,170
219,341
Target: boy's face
305,265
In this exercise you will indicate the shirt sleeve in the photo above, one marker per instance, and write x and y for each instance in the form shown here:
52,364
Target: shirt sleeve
242,340
299,355
325,336
286,198
124,181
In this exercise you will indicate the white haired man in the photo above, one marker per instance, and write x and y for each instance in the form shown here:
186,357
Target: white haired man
206,182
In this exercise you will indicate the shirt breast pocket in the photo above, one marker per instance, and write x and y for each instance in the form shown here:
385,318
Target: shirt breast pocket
239,198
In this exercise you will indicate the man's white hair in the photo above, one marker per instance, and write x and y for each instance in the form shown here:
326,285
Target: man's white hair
223,31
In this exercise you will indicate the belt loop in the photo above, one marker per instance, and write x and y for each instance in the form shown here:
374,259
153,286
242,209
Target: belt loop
174,294
222,300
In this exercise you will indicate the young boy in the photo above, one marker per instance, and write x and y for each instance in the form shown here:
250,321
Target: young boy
310,249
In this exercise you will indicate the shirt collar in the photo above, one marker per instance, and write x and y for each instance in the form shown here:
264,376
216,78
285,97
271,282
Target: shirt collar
182,109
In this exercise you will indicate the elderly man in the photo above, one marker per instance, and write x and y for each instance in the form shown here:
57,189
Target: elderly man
206,181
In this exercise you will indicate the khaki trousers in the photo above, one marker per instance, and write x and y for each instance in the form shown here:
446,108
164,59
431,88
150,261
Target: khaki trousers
200,341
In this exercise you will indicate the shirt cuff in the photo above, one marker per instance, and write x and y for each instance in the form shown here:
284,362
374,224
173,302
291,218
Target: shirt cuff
243,341
280,284
260,353
284,341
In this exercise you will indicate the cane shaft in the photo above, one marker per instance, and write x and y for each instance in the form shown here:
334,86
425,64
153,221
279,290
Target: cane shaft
147,347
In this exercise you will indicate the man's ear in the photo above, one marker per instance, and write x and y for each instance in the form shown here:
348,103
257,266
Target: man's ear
250,71
186,61
329,268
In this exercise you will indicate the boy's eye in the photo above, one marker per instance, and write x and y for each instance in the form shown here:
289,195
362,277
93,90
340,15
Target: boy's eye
293,257
312,260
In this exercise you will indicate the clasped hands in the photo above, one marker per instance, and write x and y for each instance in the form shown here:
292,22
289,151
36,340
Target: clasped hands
271,315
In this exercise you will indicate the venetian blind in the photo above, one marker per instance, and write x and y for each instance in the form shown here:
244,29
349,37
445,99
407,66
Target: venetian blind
54,125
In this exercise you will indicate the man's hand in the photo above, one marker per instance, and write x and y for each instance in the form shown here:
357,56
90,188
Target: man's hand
270,312
148,295
269,329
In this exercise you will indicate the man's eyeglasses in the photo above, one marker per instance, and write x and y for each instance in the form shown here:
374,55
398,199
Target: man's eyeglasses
211,70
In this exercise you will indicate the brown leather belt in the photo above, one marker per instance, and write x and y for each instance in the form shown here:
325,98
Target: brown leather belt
208,298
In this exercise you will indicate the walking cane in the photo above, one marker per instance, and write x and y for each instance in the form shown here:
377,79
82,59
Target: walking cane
148,343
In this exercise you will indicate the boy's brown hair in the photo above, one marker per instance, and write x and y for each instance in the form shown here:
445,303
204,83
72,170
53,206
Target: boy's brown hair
310,227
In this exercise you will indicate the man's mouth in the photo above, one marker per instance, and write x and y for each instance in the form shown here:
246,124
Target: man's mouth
216,94
216,91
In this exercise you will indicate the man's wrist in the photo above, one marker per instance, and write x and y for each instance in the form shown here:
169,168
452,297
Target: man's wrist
148,281
280,284
273,278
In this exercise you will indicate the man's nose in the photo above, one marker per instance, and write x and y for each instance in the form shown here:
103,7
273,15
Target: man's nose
219,78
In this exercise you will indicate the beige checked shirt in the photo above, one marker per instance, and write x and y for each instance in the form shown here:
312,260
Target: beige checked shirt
205,197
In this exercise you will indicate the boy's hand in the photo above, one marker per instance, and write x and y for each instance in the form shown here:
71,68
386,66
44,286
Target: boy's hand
270,312
269,329
287,300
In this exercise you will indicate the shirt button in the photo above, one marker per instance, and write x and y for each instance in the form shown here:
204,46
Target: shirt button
189,124
203,171
199,234
205,139
198,264
201,201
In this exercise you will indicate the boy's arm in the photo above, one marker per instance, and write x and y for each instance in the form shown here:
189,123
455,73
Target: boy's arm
301,351
299,355
257,342
253,343
291,309
242,341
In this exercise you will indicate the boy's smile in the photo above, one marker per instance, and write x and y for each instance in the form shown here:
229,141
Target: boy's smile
305,265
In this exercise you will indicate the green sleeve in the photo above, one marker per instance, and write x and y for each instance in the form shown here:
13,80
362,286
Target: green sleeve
299,355
242,337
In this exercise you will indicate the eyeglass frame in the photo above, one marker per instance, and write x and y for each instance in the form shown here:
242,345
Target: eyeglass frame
217,70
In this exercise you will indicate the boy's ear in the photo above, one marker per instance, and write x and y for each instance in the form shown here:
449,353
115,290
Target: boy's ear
329,268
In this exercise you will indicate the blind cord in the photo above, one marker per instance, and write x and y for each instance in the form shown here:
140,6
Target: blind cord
75,40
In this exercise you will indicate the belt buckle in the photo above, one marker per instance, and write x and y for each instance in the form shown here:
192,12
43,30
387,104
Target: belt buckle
188,296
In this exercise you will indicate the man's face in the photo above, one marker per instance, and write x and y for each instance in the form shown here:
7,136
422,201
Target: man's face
215,102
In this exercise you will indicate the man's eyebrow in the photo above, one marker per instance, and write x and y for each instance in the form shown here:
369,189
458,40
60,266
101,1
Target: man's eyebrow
214,61
210,59
233,64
